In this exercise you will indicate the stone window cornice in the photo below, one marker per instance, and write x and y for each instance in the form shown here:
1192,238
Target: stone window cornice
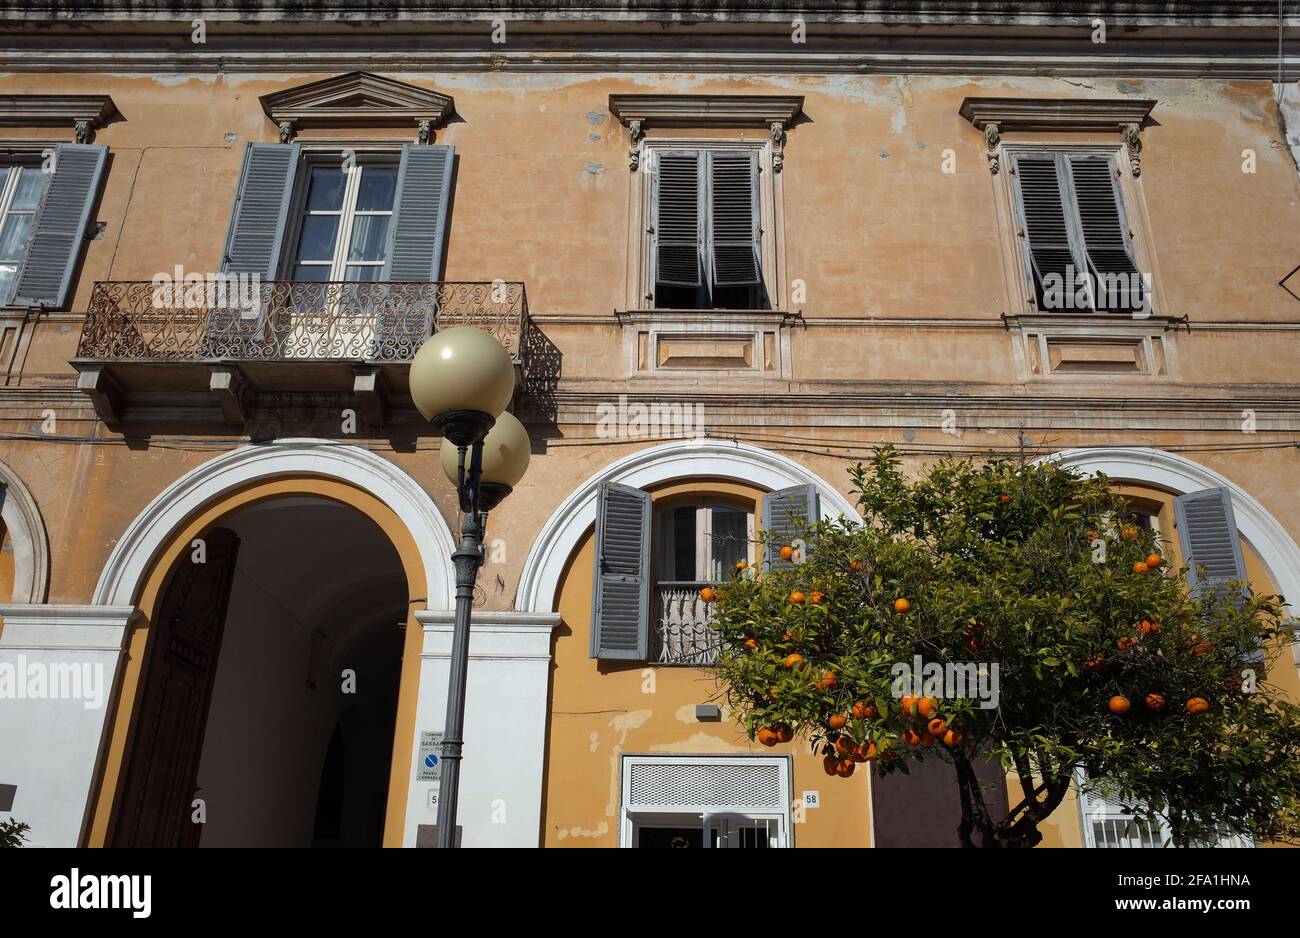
85,113
357,99
640,113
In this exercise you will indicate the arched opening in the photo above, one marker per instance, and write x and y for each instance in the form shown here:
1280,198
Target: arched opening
267,706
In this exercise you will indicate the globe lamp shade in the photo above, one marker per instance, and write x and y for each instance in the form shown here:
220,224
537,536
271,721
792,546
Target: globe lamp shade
460,372
505,455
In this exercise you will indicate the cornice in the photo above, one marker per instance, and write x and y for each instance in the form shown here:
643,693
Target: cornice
357,99
85,113
642,112
1073,114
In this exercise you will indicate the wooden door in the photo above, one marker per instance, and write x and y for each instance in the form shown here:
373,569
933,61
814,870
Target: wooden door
154,808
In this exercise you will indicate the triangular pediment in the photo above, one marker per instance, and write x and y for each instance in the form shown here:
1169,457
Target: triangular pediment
357,99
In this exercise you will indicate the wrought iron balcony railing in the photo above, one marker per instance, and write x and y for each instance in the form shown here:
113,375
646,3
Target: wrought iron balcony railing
680,633
280,320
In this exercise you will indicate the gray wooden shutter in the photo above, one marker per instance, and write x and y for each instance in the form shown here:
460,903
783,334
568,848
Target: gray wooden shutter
678,221
1207,531
255,240
417,237
733,219
621,593
1041,201
782,524
1101,226
59,229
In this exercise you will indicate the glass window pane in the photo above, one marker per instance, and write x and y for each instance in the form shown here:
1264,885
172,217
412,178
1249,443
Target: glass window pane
318,235
13,237
30,186
4,175
375,194
730,540
326,191
318,272
6,277
682,532
369,238
365,272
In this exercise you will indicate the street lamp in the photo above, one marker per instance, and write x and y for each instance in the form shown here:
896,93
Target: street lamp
461,381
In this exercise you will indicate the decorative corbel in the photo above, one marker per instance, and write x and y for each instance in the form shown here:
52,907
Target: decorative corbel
634,152
85,131
425,132
992,137
778,145
1130,133
287,131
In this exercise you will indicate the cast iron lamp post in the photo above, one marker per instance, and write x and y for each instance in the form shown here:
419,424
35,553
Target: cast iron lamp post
461,381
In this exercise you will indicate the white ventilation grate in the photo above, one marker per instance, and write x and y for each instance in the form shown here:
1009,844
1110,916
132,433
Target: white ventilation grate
678,783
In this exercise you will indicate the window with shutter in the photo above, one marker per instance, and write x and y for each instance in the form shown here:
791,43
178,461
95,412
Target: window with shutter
1078,254
1207,532
56,232
705,249
257,221
621,588
786,514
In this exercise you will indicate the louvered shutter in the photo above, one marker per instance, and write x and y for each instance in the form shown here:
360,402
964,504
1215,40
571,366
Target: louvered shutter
256,236
621,593
418,235
1207,531
678,222
1042,205
786,513
1105,242
59,229
733,219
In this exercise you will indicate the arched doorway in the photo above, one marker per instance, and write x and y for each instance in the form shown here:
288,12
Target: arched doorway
357,499
268,705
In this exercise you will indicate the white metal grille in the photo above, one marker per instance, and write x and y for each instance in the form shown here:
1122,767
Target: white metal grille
682,784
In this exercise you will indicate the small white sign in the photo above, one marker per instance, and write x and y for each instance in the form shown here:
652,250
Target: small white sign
812,799
429,767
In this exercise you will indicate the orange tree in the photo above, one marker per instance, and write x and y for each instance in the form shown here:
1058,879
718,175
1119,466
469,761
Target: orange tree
1041,581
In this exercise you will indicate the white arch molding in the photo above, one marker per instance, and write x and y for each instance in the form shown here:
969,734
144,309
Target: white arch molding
136,551
31,545
1178,474
681,459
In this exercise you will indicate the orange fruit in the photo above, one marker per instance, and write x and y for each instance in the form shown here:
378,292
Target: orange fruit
952,738
1125,643
911,737
1004,499
1201,647
837,721
741,565
1128,533
783,732
767,737
1092,663
844,768
792,661
1119,704
1154,560
927,707
708,595
1155,701
828,681
938,726
1148,627
844,745
927,738
1140,567
1092,535
797,598
828,764
908,704
864,753
901,606
787,552
1197,705
751,645
855,565
864,711
815,598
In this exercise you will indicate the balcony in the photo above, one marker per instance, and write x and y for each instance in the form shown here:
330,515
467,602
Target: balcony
680,631
216,347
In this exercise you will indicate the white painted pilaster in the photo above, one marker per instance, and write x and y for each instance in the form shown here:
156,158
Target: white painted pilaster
58,669
505,725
